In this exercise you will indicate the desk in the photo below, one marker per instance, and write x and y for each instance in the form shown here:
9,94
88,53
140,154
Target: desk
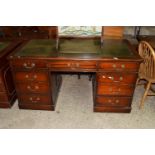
7,90
37,65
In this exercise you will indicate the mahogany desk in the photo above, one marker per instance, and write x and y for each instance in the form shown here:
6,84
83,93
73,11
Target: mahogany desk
37,65
7,90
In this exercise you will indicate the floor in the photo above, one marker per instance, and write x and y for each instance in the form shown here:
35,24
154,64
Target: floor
75,110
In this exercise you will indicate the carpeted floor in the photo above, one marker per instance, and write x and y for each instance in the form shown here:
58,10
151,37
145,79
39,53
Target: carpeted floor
75,110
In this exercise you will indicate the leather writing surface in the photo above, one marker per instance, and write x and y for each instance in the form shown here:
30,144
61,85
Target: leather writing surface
76,47
44,47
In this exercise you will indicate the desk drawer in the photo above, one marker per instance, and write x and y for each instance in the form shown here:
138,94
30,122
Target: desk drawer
35,99
32,88
117,78
72,64
113,101
28,64
108,89
119,66
31,76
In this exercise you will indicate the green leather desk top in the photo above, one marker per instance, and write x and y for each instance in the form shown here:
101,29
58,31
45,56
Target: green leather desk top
3,45
38,48
76,47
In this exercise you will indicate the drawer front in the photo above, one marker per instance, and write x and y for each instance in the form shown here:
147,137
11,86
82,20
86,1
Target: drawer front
119,66
72,65
32,88
107,89
113,101
31,76
116,78
35,99
28,64
3,97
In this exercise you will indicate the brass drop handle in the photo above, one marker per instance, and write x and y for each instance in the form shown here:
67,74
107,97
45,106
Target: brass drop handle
34,101
69,65
111,77
32,89
77,65
34,77
27,76
123,66
121,78
114,65
109,101
29,67
117,101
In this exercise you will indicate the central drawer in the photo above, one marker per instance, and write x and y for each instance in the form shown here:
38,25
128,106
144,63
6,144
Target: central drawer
64,64
108,89
33,87
31,76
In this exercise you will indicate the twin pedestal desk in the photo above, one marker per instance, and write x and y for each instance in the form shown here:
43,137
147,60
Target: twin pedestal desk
37,66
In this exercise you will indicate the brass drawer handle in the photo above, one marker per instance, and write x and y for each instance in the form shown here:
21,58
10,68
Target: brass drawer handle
34,77
33,89
117,101
111,77
123,66
121,78
77,65
34,101
27,76
114,65
109,101
29,67
69,65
